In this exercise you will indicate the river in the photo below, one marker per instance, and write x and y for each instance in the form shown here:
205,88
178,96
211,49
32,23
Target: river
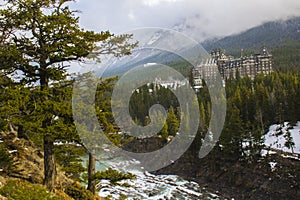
149,186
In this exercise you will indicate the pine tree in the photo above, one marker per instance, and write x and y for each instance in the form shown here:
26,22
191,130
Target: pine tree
51,38
231,137
203,124
289,141
164,131
172,121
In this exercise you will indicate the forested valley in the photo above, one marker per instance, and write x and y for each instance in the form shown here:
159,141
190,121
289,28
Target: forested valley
43,157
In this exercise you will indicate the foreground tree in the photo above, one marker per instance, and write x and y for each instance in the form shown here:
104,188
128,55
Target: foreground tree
38,38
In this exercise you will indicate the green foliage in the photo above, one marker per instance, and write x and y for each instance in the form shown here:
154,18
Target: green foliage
7,164
23,106
146,96
231,137
164,131
56,37
49,36
113,175
252,106
22,190
104,113
78,192
119,139
103,105
69,157
287,55
13,100
182,66
172,121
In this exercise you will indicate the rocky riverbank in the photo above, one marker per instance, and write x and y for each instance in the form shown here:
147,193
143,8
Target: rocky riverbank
274,175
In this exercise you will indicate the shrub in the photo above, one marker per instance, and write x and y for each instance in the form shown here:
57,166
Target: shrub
79,192
113,175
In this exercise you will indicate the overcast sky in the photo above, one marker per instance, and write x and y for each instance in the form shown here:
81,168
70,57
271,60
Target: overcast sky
213,17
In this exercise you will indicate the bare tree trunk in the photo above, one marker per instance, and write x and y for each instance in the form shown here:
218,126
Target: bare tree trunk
49,158
49,163
91,173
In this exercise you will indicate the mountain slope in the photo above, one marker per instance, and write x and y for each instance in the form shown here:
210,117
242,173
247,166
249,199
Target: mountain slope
281,37
270,35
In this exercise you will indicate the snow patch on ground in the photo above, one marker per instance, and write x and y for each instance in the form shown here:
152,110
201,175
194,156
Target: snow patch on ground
295,157
265,152
60,143
277,137
273,165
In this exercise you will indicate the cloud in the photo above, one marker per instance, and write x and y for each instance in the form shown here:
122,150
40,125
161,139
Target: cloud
210,17
157,2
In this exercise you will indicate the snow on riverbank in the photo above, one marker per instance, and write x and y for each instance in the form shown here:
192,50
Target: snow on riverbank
149,186
278,136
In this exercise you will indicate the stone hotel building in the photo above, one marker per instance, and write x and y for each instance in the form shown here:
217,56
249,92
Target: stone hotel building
230,67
